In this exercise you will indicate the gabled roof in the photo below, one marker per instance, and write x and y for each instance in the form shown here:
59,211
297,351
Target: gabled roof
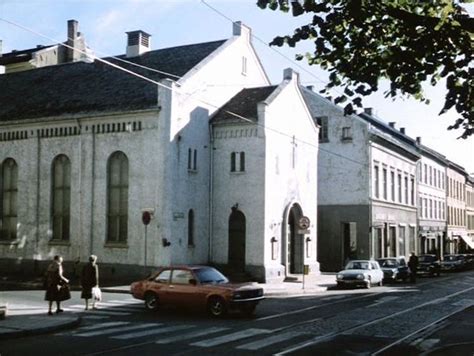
244,104
85,88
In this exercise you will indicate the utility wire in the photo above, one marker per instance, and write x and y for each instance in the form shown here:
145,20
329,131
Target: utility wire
171,89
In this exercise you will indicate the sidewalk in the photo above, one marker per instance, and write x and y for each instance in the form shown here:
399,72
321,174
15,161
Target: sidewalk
37,322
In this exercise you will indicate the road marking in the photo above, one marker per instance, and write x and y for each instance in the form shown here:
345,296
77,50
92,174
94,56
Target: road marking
381,301
115,330
95,326
230,337
76,308
270,340
126,301
191,335
152,332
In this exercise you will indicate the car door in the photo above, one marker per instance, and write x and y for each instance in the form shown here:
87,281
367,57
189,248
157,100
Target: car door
182,289
160,285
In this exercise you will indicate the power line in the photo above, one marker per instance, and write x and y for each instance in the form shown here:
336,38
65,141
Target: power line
171,89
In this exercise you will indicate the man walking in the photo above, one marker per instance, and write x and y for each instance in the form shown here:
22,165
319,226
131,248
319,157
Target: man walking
413,264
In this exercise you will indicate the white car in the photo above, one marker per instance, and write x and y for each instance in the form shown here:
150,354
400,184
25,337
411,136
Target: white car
360,273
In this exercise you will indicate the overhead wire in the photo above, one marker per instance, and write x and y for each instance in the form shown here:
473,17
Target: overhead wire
179,92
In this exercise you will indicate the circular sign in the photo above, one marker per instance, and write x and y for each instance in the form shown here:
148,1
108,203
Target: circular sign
303,222
146,217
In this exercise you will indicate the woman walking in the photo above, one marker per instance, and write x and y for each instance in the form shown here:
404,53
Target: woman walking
89,280
54,282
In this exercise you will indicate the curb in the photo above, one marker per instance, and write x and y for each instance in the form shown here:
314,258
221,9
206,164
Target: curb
38,331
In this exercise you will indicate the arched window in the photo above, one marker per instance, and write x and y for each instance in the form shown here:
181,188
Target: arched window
191,227
61,198
117,198
9,197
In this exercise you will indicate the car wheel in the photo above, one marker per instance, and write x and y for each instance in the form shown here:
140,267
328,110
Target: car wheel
381,283
216,307
151,301
368,284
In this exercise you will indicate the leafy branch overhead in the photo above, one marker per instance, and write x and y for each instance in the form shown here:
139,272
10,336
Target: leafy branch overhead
407,42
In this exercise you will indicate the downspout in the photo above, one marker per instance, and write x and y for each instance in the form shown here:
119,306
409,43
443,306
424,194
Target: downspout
371,218
91,235
211,191
38,187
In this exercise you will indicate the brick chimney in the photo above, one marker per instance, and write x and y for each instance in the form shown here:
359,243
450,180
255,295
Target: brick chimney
402,130
368,111
418,140
138,42
392,124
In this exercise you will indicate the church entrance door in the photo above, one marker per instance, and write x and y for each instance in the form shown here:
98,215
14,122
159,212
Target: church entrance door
236,251
295,242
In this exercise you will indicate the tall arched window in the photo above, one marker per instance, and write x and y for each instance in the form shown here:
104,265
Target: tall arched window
9,197
191,227
61,198
117,198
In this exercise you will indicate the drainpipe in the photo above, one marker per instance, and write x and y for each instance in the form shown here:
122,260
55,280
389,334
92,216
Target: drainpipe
211,191
38,187
91,236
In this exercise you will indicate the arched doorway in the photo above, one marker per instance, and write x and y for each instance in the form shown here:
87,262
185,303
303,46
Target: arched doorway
236,253
295,242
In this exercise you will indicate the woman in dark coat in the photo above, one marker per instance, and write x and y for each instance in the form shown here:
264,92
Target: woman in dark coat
89,280
54,280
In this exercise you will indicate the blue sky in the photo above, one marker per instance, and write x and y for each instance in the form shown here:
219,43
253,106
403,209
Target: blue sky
171,23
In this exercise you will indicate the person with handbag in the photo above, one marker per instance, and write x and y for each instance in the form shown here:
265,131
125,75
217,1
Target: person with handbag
90,282
56,285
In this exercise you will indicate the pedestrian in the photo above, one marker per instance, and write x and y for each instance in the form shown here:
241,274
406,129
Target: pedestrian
90,280
55,281
413,264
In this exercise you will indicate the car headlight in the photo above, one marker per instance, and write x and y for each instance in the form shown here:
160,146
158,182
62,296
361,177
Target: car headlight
360,276
339,276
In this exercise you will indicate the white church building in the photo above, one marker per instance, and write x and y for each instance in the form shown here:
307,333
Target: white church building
169,165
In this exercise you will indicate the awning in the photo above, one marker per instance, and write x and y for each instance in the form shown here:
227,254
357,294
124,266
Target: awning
468,240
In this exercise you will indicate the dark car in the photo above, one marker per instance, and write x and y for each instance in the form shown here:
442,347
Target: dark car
454,263
428,265
394,268
199,287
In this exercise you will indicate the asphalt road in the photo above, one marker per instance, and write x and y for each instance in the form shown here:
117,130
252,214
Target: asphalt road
394,319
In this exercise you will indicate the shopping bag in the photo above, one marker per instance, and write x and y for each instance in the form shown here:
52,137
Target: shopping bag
97,294
64,292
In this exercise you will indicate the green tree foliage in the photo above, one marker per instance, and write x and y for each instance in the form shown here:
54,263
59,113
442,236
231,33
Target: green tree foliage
407,42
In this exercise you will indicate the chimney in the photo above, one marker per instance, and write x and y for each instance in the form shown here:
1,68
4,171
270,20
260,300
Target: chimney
392,124
72,35
290,74
402,130
1,48
418,140
368,111
310,87
138,42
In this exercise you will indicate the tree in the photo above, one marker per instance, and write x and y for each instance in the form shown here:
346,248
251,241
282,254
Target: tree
407,42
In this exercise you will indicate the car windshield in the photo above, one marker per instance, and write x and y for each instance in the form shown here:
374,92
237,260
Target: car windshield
210,276
387,263
357,265
427,258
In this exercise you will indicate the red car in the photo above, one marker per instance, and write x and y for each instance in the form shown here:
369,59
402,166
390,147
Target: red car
198,287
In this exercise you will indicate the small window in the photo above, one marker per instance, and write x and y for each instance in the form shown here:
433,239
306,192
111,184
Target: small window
191,227
323,130
346,133
237,162
244,65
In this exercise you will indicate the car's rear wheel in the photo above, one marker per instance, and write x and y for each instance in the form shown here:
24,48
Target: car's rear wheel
151,301
216,307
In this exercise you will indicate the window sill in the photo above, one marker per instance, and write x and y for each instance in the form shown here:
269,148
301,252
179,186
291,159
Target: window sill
192,171
115,245
237,172
59,242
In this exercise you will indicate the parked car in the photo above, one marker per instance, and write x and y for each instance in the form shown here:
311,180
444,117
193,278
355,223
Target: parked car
360,273
394,268
197,287
428,265
454,263
470,260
